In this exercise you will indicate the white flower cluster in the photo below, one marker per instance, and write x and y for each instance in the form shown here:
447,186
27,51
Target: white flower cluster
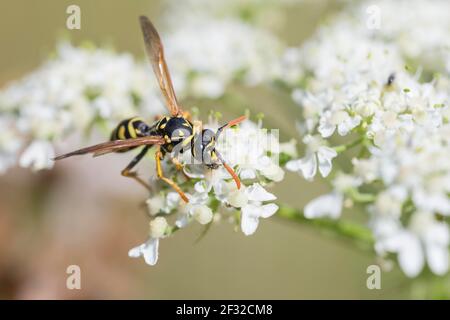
218,43
85,88
261,13
418,28
213,195
206,55
355,82
78,89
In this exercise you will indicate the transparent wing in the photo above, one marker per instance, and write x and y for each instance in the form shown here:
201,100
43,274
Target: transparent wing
155,53
113,146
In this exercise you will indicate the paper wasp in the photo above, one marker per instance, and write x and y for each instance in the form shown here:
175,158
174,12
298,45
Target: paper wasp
166,134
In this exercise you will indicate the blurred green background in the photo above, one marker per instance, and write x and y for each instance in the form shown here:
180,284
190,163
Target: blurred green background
83,212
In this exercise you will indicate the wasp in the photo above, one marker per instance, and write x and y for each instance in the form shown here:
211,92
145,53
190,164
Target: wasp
170,133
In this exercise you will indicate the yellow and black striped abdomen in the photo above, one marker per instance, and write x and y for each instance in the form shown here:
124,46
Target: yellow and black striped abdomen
129,129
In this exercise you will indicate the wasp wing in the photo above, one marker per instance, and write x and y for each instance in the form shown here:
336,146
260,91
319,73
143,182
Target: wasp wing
113,146
155,53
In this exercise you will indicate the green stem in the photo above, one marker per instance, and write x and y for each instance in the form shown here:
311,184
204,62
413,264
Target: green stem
343,147
355,233
360,197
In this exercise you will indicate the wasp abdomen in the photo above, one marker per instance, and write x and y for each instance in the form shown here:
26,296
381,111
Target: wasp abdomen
129,129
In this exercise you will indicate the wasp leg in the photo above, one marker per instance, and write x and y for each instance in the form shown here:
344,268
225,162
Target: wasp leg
133,174
179,166
159,172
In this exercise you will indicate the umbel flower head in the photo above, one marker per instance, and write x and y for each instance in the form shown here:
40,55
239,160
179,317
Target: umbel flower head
79,89
356,84
212,193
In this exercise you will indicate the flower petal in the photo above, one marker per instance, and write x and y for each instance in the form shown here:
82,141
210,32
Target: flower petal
149,250
325,155
328,205
437,258
268,210
410,256
348,125
38,155
307,166
293,165
249,219
257,193
326,129
247,174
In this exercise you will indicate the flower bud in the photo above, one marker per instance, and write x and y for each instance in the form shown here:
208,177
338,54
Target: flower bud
155,204
158,227
202,214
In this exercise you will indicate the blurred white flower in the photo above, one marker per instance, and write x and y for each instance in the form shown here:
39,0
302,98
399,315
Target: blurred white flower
328,205
318,155
424,240
339,119
38,155
76,90
420,31
10,145
234,51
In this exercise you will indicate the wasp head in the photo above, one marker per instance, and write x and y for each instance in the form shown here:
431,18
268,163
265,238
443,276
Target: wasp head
208,146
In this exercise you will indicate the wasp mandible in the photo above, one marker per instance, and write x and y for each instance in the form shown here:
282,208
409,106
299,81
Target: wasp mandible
166,134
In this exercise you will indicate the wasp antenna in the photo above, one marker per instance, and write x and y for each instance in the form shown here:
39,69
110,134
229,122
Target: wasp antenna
233,175
231,123
230,170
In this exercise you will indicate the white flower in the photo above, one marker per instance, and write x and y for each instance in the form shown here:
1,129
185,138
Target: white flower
38,155
149,250
424,240
235,51
339,119
250,201
328,205
155,204
351,77
248,148
317,156
163,203
75,91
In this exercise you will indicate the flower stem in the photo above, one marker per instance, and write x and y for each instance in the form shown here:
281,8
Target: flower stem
343,147
355,233
357,196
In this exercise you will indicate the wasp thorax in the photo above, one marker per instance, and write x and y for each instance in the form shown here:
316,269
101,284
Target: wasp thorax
177,128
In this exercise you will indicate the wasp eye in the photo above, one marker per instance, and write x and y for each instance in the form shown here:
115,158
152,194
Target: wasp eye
207,135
